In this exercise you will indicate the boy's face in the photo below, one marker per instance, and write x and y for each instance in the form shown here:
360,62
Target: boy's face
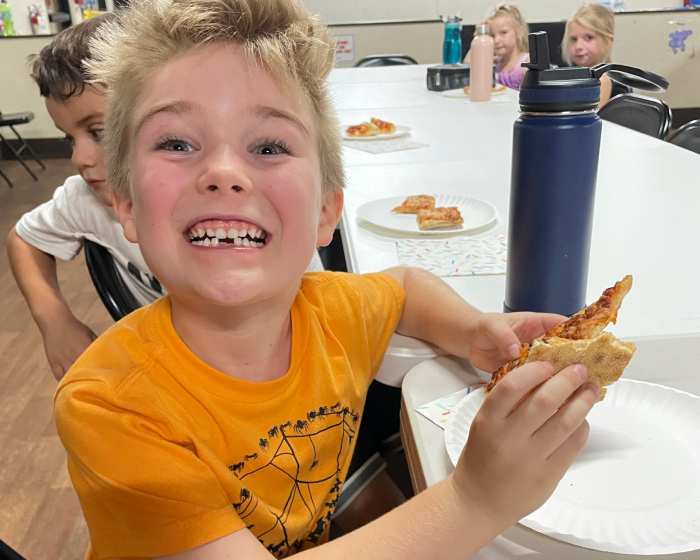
222,153
81,118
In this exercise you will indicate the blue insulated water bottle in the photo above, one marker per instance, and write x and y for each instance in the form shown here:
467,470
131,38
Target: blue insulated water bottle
556,143
452,46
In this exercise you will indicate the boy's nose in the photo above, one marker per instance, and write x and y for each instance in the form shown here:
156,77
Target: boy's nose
83,155
224,173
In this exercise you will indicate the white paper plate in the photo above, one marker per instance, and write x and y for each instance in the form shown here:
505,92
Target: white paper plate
635,488
476,214
459,93
398,133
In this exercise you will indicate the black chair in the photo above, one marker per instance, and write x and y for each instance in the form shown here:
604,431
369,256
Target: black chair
12,120
112,290
384,60
2,174
688,136
8,553
644,114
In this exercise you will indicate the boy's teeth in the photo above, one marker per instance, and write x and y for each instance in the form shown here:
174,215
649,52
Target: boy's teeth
210,237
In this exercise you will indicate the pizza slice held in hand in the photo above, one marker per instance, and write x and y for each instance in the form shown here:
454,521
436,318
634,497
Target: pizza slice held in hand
581,340
414,203
439,218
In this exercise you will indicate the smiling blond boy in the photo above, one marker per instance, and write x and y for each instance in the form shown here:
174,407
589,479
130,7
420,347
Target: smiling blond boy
219,421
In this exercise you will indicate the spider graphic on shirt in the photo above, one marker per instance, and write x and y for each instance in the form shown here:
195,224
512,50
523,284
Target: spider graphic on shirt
291,454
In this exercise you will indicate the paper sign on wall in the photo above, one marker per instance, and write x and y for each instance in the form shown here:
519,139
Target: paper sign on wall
345,48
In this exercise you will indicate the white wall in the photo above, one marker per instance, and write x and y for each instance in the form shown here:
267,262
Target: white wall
18,91
356,11
471,11
649,4
359,11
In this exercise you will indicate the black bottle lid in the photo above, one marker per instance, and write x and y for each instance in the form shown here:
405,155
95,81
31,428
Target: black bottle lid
555,90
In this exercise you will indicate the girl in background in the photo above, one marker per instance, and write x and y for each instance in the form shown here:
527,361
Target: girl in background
588,40
510,45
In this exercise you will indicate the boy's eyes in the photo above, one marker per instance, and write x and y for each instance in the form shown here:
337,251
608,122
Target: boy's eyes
68,138
174,145
97,134
264,148
272,148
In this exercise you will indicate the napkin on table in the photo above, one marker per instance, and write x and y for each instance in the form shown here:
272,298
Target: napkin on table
439,410
456,256
384,146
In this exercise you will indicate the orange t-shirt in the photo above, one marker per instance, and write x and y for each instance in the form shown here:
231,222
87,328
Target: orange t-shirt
167,453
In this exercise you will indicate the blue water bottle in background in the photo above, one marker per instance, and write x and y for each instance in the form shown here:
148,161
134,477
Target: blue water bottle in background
452,47
556,143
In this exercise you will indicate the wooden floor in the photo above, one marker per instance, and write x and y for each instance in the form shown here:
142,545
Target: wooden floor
40,515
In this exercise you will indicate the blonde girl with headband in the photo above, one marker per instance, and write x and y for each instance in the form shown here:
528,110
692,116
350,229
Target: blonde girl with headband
510,45
588,40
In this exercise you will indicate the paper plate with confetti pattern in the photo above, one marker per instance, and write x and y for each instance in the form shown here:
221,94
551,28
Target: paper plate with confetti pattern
477,214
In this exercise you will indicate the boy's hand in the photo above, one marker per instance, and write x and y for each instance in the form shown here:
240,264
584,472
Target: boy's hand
515,457
65,339
495,338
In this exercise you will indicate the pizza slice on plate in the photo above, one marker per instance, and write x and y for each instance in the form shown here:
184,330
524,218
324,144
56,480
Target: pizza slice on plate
383,126
414,203
581,340
363,129
439,218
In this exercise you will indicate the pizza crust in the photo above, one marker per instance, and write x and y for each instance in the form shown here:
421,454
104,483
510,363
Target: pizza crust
384,126
415,203
605,357
363,129
439,218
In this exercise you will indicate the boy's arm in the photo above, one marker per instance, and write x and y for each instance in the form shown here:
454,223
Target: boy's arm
434,312
511,464
65,338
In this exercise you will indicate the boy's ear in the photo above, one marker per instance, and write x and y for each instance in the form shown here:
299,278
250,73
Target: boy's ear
330,216
125,211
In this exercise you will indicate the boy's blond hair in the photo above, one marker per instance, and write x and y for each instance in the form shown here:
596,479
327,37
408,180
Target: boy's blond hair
519,24
600,20
293,46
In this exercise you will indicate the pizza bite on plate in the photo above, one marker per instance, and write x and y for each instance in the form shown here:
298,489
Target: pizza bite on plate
383,126
363,129
439,218
581,340
414,203
498,88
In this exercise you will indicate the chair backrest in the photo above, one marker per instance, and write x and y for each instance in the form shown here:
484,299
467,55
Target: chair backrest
8,553
644,114
112,290
384,60
688,136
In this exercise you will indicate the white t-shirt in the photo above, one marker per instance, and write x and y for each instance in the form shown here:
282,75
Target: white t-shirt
60,226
